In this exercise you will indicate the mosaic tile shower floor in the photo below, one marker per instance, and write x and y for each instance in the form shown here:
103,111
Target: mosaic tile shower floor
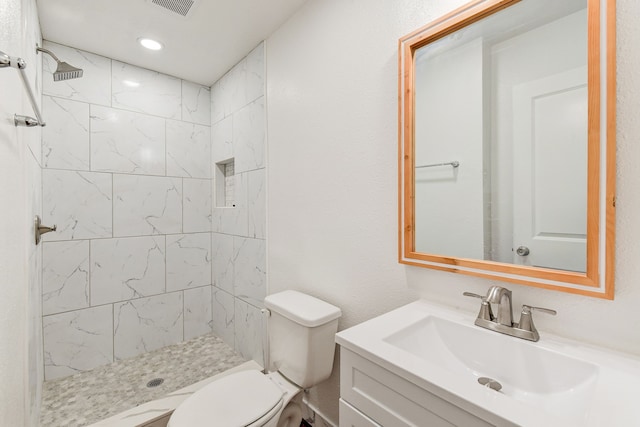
88,397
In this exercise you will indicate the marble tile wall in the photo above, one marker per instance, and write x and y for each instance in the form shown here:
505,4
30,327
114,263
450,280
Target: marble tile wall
127,179
238,242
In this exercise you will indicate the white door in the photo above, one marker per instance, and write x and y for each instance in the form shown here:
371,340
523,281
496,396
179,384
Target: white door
550,171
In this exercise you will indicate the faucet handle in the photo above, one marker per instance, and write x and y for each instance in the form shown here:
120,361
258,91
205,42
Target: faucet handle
471,294
529,309
526,319
485,308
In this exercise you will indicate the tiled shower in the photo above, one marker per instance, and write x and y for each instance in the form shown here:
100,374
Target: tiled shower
145,256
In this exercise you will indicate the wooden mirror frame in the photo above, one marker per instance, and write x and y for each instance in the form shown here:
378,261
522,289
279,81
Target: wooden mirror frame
598,280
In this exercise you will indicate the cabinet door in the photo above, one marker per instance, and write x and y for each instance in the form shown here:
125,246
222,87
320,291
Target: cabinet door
392,401
351,417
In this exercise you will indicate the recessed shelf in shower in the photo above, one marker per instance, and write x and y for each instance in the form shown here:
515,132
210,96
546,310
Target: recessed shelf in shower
225,184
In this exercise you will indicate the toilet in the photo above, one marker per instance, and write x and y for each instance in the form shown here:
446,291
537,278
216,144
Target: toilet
301,347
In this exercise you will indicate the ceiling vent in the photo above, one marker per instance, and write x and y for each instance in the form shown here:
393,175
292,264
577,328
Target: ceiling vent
181,7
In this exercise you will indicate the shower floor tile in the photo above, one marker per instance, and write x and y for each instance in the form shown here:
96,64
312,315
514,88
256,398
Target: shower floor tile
88,397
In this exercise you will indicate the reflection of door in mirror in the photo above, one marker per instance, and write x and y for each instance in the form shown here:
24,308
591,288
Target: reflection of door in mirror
515,186
541,108
550,171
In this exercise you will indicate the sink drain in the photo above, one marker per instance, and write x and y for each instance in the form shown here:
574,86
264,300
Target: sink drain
490,383
155,382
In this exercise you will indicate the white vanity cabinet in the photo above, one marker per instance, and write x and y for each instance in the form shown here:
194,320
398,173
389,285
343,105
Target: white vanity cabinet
371,396
425,365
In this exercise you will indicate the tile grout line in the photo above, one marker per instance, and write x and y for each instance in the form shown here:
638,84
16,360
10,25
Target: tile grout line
128,173
125,300
113,332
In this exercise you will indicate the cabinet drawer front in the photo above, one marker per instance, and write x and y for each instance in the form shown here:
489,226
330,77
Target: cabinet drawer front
392,401
351,417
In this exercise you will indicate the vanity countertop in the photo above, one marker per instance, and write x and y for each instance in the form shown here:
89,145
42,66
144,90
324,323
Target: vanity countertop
552,382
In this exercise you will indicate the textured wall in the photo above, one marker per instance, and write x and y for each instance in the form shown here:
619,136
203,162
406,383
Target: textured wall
332,212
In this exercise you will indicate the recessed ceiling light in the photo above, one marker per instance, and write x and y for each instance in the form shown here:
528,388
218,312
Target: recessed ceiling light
150,43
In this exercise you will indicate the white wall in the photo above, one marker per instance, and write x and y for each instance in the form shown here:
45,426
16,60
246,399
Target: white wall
449,201
332,179
20,327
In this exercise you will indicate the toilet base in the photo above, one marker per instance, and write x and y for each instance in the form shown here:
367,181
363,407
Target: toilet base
291,414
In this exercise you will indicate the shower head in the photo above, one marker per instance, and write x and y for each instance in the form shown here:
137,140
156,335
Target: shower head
64,71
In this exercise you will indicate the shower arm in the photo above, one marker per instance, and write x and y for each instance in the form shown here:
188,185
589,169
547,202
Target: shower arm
48,52
19,64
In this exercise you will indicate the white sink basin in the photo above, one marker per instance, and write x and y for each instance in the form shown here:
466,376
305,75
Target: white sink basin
554,382
527,372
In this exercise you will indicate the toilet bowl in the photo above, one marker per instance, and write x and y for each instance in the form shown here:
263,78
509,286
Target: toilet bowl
301,348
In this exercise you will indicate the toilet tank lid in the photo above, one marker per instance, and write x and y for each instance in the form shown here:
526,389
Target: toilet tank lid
302,308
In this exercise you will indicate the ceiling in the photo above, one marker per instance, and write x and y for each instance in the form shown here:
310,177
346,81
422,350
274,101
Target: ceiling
201,47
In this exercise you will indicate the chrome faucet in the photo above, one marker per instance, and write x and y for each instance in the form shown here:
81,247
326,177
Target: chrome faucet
502,297
503,323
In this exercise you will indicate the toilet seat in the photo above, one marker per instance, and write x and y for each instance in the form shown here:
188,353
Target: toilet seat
246,398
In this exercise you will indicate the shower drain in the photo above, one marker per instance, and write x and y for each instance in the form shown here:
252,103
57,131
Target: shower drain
155,382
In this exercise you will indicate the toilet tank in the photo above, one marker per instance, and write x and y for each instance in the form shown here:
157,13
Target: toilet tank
301,336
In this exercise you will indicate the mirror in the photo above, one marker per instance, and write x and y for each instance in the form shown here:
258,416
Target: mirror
507,143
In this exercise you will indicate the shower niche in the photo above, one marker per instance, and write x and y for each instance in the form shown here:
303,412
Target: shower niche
224,184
